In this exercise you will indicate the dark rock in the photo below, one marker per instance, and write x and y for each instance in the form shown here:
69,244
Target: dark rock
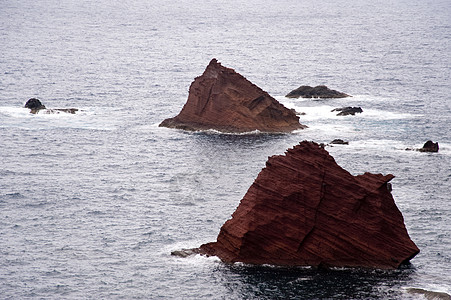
223,100
305,210
429,146
34,105
320,91
339,142
345,111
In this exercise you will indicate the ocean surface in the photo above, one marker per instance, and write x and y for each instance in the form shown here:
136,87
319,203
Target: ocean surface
92,204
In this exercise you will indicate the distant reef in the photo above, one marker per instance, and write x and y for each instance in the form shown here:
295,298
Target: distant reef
35,105
305,210
223,100
320,91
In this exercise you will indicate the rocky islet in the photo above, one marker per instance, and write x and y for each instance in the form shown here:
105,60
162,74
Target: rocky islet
305,210
319,91
222,99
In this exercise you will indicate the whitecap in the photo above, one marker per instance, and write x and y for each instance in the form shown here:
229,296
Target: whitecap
91,118
15,112
386,115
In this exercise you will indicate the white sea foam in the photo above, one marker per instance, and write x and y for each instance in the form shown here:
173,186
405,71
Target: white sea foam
323,109
327,130
386,115
16,112
84,118
378,144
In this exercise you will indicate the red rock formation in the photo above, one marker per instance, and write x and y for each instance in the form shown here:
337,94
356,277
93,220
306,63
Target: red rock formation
223,100
305,210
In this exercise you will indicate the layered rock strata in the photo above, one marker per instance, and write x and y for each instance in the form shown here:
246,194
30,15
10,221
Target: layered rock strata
223,100
305,210
320,91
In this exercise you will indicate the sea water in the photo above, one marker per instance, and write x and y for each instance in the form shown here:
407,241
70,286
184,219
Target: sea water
92,204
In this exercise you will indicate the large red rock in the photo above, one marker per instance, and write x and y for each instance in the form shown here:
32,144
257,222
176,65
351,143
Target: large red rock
305,210
223,100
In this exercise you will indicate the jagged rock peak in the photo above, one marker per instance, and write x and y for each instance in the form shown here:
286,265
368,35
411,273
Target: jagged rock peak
223,100
305,210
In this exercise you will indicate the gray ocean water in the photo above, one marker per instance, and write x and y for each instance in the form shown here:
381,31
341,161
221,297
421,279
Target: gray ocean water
92,204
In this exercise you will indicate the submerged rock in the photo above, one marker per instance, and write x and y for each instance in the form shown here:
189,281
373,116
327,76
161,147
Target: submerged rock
320,91
430,294
185,252
305,210
36,106
429,146
58,110
345,111
223,100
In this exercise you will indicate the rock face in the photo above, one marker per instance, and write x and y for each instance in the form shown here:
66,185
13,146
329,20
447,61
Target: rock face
346,111
320,91
223,100
305,210
429,146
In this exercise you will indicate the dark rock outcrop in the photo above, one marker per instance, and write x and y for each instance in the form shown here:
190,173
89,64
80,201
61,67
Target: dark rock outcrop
429,146
320,91
339,142
36,106
345,111
223,100
305,210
